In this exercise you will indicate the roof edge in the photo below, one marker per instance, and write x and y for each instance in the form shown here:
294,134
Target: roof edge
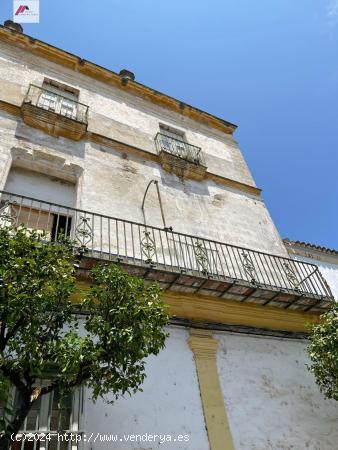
73,62
308,246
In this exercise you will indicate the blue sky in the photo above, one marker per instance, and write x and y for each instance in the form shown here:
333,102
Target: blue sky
270,66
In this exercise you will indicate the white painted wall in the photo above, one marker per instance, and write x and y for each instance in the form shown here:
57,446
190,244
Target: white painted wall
271,397
328,269
118,114
169,405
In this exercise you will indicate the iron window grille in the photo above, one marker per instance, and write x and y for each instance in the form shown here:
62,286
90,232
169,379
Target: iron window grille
53,423
51,100
178,147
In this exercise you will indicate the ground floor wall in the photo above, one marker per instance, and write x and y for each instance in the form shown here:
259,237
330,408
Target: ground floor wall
220,390
271,398
170,405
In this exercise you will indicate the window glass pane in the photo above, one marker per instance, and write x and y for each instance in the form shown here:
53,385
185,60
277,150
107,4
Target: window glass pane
173,141
53,443
16,445
32,420
61,443
31,445
47,100
59,420
64,445
33,416
61,412
68,108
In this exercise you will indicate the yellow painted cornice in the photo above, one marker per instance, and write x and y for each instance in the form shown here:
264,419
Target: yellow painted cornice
202,309
222,311
111,78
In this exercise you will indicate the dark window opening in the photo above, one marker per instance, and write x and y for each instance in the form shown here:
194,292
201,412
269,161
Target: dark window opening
61,226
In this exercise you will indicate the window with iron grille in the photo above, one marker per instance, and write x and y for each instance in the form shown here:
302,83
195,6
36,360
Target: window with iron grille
174,141
53,420
52,224
59,98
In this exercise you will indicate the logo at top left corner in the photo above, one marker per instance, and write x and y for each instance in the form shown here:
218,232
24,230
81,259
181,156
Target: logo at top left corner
26,11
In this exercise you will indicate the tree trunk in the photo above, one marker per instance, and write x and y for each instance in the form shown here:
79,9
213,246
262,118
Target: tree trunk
15,425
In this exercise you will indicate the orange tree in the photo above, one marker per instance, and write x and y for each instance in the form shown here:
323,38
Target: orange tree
41,332
323,352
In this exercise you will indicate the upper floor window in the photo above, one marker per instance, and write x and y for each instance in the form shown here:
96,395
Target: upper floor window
60,98
172,132
55,108
174,141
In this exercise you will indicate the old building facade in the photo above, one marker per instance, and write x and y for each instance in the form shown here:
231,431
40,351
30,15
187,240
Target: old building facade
141,179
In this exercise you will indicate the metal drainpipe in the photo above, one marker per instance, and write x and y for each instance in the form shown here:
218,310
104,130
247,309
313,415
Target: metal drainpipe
160,202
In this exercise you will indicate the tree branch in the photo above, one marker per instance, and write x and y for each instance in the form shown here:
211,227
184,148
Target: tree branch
15,379
10,334
2,335
14,426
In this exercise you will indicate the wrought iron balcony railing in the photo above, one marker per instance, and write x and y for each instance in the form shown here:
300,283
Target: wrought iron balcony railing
177,261
179,148
56,103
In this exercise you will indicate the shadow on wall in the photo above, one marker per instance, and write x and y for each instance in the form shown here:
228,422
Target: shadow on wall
26,134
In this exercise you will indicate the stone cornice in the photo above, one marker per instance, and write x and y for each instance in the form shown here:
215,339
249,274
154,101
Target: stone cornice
109,77
138,152
10,108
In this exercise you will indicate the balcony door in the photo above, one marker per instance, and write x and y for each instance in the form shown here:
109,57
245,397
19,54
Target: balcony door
59,100
173,141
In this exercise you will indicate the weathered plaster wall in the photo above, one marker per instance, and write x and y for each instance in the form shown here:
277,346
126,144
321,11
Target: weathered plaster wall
7,140
112,183
26,147
271,398
115,184
170,404
119,115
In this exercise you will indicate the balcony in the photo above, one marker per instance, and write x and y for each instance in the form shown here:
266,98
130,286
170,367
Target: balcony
179,262
54,114
179,157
